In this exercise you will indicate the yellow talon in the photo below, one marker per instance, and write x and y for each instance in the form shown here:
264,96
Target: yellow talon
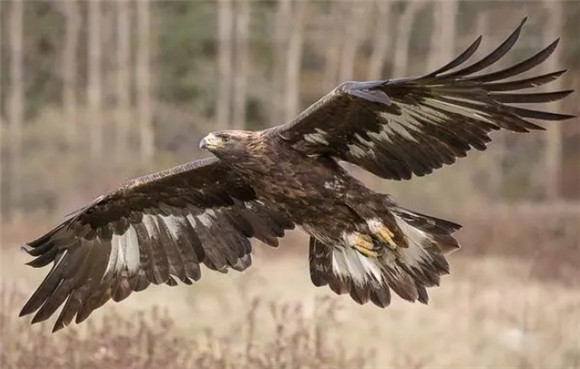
384,234
366,252
364,244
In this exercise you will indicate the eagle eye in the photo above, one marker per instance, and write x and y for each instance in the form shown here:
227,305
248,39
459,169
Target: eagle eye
226,138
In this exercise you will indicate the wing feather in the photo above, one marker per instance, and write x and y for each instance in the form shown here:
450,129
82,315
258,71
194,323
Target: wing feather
492,57
400,127
149,230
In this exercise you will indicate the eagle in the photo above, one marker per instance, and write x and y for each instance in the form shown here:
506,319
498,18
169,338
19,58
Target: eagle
160,228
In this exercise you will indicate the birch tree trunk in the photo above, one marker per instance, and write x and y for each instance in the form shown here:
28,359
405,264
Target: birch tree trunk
123,85
355,30
292,98
16,104
95,80
553,158
404,28
70,68
241,71
381,40
442,47
225,48
143,81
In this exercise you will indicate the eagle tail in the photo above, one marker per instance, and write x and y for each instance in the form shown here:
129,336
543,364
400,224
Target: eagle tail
407,270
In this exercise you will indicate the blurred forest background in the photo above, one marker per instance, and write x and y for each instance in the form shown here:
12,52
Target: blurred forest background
93,92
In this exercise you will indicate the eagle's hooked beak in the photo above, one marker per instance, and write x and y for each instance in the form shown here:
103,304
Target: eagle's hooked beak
209,141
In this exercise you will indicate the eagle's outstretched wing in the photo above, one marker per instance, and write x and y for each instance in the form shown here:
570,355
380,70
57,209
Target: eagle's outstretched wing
400,127
149,230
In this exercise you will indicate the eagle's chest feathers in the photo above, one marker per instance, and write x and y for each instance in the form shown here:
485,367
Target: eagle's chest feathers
299,185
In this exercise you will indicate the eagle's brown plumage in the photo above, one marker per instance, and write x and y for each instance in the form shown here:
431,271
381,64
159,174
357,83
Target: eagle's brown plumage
161,227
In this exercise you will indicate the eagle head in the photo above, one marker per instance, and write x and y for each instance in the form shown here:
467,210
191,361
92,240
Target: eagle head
230,144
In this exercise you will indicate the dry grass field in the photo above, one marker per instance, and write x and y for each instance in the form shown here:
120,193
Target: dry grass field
496,309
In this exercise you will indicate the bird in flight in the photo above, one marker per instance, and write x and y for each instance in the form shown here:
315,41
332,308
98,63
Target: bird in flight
161,227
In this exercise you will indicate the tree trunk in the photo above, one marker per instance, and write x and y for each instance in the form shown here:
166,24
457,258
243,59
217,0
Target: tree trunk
442,47
381,41
16,104
143,83
292,98
225,48
281,32
333,46
493,162
123,85
553,159
70,69
95,87
404,28
355,30
241,71
1,116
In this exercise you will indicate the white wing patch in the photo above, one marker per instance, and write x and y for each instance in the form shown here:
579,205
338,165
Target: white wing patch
381,136
132,249
399,124
124,252
357,151
363,142
316,138
459,109
207,217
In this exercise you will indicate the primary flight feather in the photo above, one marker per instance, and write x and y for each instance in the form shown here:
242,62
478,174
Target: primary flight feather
162,227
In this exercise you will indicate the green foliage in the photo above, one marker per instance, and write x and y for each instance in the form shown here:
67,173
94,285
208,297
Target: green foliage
187,43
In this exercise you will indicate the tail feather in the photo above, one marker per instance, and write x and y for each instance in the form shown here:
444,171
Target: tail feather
408,269
438,231
347,271
320,258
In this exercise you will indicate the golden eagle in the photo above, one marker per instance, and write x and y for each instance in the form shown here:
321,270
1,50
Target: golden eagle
161,227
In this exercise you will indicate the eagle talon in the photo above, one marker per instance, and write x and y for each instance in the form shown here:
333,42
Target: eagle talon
364,244
366,252
385,235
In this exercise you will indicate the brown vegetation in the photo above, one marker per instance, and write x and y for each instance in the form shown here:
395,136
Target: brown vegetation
153,339
512,300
